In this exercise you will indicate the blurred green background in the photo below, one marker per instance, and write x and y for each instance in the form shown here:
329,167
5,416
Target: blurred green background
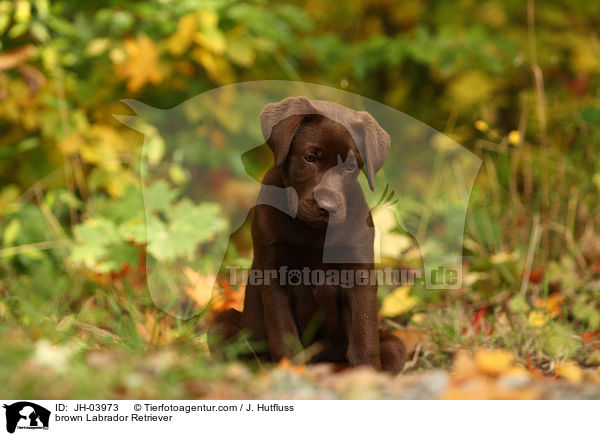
516,82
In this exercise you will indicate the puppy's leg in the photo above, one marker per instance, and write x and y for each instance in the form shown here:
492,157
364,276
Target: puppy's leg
363,342
392,351
223,330
280,324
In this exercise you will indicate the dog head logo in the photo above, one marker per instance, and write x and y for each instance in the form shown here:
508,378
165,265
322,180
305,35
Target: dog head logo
26,415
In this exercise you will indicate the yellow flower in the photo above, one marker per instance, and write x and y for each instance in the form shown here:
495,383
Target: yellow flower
514,137
537,319
482,126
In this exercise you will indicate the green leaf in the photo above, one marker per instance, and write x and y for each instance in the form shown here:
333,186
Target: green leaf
158,197
11,232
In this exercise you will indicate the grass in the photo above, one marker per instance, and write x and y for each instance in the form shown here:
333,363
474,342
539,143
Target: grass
531,287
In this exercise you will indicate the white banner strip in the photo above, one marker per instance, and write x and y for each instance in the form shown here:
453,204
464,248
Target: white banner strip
310,417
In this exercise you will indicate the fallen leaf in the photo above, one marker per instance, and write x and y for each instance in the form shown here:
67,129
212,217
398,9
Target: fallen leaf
485,389
463,366
551,305
287,365
493,362
570,371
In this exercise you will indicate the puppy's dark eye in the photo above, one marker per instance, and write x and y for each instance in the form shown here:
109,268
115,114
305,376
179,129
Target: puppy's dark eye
310,158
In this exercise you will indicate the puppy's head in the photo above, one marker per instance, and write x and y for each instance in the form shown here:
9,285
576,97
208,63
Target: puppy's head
320,148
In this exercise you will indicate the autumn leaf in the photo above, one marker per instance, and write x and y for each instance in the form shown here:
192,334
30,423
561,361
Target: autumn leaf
570,371
200,286
184,36
142,63
493,361
463,366
286,364
551,305
216,66
230,298
398,302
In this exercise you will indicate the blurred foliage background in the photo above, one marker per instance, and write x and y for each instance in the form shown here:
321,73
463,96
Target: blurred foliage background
515,82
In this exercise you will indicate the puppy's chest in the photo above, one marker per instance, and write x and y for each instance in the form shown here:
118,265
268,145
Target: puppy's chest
317,305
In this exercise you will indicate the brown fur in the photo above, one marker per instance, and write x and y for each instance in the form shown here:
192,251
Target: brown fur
333,219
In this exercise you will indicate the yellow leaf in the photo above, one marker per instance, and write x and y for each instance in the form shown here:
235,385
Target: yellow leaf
71,144
398,302
142,64
200,287
11,232
493,362
571,371
463,366
208,18
22,11
217,68
97,46
537,319
504,257
518,371
212,39
183,37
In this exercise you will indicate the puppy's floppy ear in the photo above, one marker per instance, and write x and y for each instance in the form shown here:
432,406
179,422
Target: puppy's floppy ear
279,122
373,144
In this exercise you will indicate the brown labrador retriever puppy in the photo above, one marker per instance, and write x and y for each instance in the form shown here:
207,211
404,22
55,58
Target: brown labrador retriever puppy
312,217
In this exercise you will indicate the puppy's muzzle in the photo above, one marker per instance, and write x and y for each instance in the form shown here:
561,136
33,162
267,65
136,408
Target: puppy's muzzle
331,204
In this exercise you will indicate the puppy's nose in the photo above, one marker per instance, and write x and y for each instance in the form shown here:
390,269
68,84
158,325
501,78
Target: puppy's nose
327,202
327,205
